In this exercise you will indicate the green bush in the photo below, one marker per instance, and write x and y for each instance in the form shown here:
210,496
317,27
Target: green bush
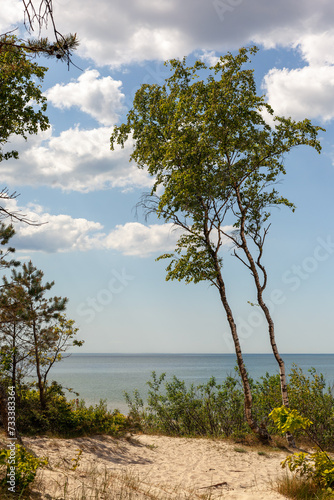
218,409
317,467
97,420
207,410
315,401
266,396
66,418
21,468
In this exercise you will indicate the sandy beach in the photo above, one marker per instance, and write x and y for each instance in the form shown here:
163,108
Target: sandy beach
154,467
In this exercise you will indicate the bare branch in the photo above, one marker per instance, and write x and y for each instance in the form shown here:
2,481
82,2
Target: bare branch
41,12
14,216
238,257
41,15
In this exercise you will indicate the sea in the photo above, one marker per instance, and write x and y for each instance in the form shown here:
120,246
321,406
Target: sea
108,376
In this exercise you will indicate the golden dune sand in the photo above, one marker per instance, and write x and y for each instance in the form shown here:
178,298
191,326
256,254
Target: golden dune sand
155,467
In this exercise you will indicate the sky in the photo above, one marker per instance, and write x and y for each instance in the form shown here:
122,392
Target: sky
100,251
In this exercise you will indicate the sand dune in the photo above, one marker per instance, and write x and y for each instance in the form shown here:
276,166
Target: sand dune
146,466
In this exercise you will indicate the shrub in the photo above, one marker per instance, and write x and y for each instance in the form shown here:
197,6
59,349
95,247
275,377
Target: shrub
21,468
213,409
313,400
266,396
316,468
207,410
97,420
66,418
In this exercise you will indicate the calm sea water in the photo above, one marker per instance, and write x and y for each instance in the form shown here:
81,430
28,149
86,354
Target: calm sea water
107,376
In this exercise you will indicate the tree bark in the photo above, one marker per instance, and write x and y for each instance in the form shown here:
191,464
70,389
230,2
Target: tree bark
38,371
271,328
265,309
260,431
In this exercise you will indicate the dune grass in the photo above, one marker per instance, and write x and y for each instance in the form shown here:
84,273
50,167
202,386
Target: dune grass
297,488
107,485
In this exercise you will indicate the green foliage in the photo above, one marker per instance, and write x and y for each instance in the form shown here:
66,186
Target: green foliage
266,396
213,156
66,418
97,420
309,394
317,467
34,328
207,410
22,101
60,49
287,420
214,409
21,466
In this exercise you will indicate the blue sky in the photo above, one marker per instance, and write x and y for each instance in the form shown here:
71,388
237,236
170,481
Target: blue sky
100,253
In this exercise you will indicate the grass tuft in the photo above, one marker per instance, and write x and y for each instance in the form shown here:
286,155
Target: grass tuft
300,489
239,450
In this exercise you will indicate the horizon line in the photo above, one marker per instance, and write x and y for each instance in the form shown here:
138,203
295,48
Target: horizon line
201,353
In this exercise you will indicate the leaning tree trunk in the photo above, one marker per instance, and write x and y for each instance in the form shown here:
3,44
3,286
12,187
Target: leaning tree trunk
260,431
271,329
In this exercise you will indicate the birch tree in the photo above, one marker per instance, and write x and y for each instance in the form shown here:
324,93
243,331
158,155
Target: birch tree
215,161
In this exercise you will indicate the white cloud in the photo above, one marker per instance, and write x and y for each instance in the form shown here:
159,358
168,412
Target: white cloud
57,233
302,93
139,240
101,98
143,30
209,57
136,239
306,92
63,233
11,14
286,23
148,30
317,48
76,160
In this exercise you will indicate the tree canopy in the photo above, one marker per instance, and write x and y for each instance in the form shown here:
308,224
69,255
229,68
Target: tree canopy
23,105
214,157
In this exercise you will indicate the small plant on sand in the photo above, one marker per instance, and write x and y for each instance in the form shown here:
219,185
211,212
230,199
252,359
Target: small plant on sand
300,489
314,469
76,460
21,468
239,450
